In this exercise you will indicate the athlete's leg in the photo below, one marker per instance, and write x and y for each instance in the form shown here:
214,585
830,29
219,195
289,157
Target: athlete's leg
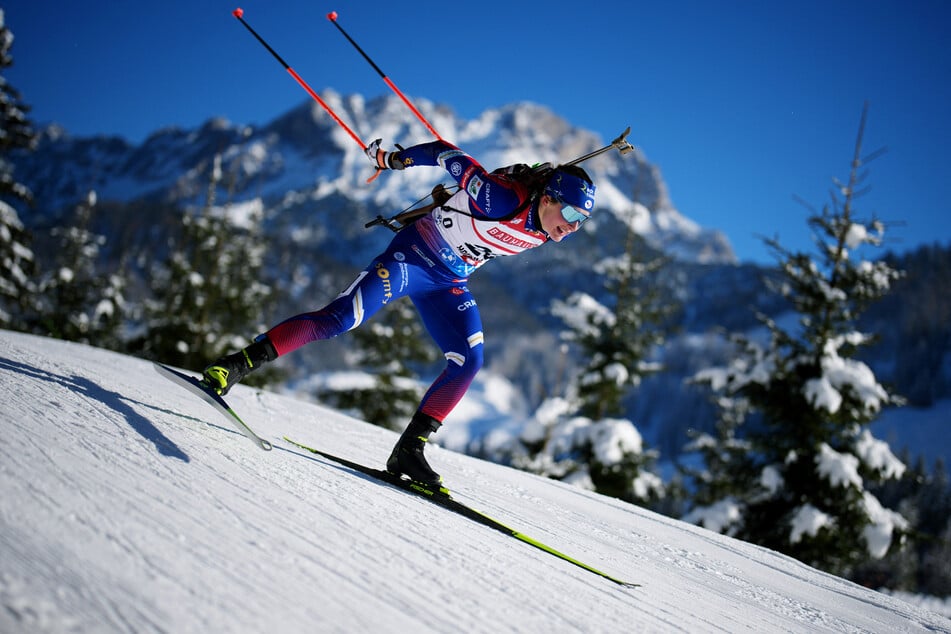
452,318
380,283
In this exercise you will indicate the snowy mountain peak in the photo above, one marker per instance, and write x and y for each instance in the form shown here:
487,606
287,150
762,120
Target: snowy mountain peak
304,152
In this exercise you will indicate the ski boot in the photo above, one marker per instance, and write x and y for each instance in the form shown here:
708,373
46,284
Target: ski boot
227,371
407,457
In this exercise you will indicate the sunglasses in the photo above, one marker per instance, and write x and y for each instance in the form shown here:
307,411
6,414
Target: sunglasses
571,214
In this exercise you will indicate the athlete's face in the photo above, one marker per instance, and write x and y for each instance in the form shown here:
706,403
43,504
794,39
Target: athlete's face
553,220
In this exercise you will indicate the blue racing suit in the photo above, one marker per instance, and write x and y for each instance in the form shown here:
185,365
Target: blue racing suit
430,261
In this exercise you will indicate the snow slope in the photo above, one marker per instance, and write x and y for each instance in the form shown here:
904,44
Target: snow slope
128,505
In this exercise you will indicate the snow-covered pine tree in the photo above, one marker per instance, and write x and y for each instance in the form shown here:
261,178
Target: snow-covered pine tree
208,295
583,438
617,341
801,486
923,498
16,267
389,351
78,302
17,290
721,476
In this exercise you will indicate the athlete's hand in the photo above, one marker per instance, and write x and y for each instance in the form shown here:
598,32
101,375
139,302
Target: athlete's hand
382,159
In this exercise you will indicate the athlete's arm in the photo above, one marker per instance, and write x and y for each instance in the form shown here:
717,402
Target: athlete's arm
490,195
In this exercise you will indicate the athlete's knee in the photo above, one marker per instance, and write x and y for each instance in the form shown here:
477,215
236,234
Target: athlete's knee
468,362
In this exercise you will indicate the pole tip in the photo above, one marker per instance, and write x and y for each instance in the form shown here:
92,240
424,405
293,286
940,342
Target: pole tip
332,16
238,13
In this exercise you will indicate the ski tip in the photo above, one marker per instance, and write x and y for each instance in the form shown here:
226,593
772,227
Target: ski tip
332,16
161,368
238,13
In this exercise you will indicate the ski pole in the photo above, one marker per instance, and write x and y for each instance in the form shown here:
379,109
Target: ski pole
332,16
239,13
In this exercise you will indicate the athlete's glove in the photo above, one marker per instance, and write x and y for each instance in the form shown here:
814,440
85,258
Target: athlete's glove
383,160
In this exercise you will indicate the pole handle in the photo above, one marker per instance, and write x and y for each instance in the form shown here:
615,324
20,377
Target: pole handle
620,143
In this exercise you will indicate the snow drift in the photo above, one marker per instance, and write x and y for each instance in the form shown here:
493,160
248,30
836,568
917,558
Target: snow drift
129,506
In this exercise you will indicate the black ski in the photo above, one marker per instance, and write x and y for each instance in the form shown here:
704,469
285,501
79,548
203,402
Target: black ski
442,497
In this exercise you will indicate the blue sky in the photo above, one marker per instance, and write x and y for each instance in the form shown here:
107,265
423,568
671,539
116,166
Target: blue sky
741,103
